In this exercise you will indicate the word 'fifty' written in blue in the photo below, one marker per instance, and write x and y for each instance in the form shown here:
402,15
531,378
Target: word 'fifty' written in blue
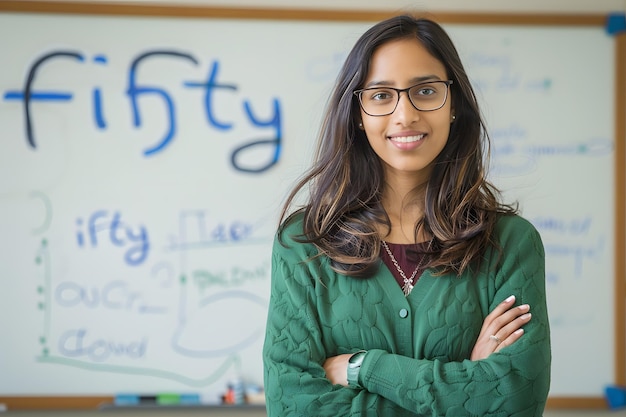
209,87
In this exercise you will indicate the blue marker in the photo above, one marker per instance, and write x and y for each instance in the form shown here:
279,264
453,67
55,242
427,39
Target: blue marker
126,399
190,399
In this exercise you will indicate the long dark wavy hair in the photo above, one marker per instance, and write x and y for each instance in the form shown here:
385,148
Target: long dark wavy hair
346,181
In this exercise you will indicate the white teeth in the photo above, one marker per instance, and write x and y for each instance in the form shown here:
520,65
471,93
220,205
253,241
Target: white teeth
407,139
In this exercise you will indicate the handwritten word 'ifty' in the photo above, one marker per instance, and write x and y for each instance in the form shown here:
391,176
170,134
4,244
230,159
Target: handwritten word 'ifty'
116,232
135,90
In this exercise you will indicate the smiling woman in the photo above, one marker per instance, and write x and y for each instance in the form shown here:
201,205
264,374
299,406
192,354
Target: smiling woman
404,286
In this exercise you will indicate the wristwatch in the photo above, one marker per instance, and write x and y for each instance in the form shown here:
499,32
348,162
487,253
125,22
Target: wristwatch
354,366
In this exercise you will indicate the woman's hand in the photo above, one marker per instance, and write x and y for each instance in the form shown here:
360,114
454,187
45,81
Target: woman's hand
501,328
336,368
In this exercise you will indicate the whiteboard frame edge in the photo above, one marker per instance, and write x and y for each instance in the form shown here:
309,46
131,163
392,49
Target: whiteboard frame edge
192,11
620,211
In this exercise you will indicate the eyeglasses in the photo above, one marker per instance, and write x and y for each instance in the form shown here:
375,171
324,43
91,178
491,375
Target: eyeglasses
382,101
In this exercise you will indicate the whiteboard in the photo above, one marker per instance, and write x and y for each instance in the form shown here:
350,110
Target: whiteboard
136,217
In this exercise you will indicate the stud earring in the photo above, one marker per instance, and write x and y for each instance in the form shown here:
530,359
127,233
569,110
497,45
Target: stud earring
453,117
360,125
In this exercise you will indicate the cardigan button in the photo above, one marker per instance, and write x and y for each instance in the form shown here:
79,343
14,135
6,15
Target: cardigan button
404,313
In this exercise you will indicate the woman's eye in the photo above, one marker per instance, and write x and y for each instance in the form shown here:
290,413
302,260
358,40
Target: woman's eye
380,95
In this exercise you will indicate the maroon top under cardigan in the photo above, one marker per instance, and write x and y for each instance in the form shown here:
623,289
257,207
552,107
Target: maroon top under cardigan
408,257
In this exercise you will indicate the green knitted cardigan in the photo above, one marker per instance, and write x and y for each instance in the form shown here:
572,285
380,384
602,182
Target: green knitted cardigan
418,347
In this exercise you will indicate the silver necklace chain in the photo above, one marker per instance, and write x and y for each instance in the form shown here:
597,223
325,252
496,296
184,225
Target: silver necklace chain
408,282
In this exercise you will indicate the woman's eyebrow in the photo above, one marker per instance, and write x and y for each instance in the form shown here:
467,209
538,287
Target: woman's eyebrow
412,81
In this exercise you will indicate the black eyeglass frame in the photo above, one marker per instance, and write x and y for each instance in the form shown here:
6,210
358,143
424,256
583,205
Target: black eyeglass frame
358,93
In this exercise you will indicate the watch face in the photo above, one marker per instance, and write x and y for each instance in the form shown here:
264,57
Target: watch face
355,358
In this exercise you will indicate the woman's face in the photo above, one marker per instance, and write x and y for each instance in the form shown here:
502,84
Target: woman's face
408,140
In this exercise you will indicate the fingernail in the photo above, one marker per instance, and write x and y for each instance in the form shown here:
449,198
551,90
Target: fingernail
524,307
519,331
511,298
526,316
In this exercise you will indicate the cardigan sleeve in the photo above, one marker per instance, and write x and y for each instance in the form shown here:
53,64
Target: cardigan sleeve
512,382
293,352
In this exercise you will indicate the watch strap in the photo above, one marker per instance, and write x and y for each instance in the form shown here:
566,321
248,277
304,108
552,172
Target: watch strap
354,366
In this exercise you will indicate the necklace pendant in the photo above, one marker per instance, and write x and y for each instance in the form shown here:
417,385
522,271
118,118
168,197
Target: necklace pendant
407,288
408,282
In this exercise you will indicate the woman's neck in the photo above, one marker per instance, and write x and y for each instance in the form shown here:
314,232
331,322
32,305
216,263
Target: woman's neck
404,209
403,200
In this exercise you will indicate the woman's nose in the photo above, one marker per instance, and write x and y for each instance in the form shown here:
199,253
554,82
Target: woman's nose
405,110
